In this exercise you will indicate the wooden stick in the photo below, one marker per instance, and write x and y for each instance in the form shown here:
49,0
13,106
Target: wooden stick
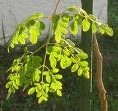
99,81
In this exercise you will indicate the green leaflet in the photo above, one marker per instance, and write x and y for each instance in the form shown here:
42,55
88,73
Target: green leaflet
101,29
46,73
48,78
34,33
66,52
41,25
53,61
58,37
109,31
94,27
74,68
9,84
86,75
55,70
31,91
59,93
58,76
65,62
85,24
57,49
82,55
49,50
80,71
58,85
74,27
70,43
84,63
40,100
36,75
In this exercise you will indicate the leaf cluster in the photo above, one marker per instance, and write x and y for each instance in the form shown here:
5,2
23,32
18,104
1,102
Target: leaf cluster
30,71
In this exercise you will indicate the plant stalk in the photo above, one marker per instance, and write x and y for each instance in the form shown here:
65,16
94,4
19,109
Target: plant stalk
98,77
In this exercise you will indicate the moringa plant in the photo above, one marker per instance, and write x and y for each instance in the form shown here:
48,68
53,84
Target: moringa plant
40,74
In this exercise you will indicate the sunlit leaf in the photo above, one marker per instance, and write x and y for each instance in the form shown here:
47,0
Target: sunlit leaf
80,71
48,78
109,31
59,93
40,100
65,62
55,70
82,55
86,75
84,63
70,43
74,27
74,68
31,91
58,76
36,76
53,61
9,84
34,33
94,27
85,25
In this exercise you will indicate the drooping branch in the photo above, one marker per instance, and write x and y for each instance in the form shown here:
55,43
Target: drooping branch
99,81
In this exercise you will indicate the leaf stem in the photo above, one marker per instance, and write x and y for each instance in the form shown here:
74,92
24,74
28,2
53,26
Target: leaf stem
57,4
47,43
39,48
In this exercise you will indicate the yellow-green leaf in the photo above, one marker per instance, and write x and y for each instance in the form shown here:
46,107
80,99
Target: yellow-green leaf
53,61
80,71
48,78
94,27
58,76
31,91
40,100
65,62
85,25
74,27
9,84
34,33
109,31
59,93
74,67
86,75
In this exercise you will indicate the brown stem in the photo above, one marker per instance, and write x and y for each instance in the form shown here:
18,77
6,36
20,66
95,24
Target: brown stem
99,81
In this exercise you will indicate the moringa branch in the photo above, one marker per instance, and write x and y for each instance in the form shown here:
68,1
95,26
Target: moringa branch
99,81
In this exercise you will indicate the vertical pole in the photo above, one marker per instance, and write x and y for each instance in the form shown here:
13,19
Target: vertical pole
86,41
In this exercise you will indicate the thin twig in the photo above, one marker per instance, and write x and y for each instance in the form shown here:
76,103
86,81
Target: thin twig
39,49
47,43
57,4
3,32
